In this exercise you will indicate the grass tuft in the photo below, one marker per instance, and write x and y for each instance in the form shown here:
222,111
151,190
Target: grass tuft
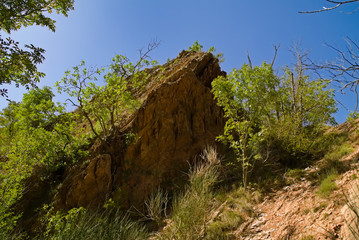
327,185
157,206
191,209
80,224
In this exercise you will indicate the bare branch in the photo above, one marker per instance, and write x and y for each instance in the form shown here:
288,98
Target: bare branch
249,60
145,54
338,4
345,70
276,47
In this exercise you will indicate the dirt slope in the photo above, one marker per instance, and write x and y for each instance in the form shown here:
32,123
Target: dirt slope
298,212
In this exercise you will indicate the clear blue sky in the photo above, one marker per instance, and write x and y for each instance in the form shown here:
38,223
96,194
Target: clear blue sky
97,30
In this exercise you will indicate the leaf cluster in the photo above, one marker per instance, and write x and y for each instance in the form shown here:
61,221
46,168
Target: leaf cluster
197,47
19,65
19,13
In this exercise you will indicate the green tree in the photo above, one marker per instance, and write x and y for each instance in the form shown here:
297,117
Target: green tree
7,122
247,96
19,65
307,106
37,132
262,109
106,107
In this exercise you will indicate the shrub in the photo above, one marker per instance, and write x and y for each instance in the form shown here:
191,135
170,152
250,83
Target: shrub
328,184
216,231
37,132
270,116
332,163
338,152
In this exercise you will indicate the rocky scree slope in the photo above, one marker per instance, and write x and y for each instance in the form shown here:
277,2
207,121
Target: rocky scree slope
296,211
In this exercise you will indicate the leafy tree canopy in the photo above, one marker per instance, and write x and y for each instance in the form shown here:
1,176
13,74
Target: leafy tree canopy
35,132
105,107
264,110
19,65
22,13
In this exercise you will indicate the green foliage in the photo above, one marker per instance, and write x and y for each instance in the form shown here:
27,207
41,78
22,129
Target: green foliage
332,159
339,152
16,13
247,96
105,107
156,206
308,237
216,231
266,113
240,199
39,131
60,222
19,65
352,117
7,121
328,141
80,224
196,47
11,236
219,55
190,210
327,186
36,132
306,106
234,207
228,220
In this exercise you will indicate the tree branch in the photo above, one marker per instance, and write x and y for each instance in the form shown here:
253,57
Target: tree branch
345,71
249,60
338,4
276,47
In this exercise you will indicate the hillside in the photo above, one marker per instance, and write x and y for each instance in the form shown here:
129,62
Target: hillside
153,147
297,211
161,172
299,208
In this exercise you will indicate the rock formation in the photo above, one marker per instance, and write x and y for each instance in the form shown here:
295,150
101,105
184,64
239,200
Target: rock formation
178,118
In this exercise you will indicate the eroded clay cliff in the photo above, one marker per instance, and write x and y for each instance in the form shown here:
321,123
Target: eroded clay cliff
178,118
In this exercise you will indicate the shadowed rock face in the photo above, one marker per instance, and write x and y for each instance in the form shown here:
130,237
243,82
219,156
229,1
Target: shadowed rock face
177,120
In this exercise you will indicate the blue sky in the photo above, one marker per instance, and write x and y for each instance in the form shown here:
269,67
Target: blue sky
97,30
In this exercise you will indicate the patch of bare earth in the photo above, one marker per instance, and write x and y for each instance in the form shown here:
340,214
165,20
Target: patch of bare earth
298,212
